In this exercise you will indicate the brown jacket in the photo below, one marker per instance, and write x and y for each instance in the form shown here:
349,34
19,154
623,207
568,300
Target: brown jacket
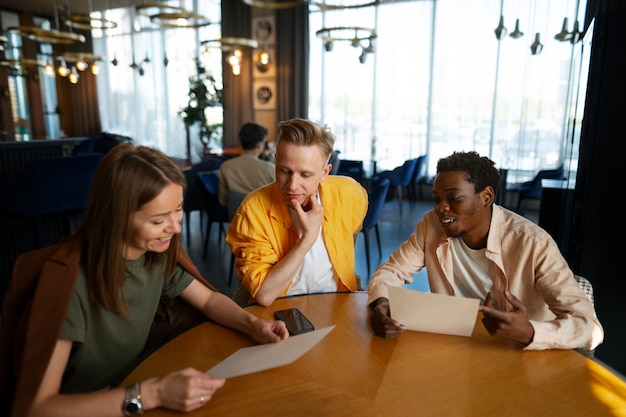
34,310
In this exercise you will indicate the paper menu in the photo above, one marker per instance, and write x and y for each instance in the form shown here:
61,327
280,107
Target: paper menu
267,356
433,313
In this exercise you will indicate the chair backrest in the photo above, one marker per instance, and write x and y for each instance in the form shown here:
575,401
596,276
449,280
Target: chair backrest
195,195
232,203
403,175
55,185
376,196
419,174
211,183
533,188
351,168
586,286
335,162
550,174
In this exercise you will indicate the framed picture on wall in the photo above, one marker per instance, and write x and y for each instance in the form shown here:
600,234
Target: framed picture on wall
263,30
264,94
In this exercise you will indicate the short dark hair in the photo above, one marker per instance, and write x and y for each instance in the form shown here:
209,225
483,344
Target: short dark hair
481,171
251,134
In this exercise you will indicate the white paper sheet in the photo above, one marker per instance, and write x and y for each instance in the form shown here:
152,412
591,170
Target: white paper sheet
433,313
271,355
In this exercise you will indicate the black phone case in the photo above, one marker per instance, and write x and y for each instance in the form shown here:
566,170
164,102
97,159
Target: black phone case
296,322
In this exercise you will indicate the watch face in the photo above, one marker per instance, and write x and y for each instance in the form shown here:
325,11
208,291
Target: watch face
133,408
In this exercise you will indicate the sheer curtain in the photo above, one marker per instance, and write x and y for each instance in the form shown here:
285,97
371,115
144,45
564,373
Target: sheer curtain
145,79
441,81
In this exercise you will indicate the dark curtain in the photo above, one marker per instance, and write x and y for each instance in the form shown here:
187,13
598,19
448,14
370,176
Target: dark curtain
85,112
292,61
236,22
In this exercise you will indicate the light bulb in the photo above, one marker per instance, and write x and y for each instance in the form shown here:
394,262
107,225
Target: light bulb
73,76
63,70
49,70
236,69
81,65
264,57
95,69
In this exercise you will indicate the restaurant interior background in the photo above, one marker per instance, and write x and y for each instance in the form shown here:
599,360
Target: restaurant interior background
507,78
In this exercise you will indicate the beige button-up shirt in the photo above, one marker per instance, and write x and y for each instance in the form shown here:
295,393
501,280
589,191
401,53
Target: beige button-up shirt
526,261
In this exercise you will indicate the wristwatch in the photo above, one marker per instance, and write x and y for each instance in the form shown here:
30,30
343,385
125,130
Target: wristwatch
132,401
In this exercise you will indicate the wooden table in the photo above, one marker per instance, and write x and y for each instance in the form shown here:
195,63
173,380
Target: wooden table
352,372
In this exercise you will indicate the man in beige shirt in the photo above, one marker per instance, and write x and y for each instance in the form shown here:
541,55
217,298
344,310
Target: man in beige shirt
246,172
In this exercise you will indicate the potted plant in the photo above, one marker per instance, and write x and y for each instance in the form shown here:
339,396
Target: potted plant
204,94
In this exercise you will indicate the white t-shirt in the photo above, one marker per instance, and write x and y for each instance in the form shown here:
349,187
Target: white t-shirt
316,274
471,270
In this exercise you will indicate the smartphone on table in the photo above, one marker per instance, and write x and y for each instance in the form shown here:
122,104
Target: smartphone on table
296,322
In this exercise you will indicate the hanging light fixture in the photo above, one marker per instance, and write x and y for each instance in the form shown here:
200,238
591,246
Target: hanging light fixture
73,75
62,69
576,34
183,19
262,60
49,69
324,5
47,35
563,35
275,4
536,46
19,66
500,31
81,60
235,47
354,34
87,22
151,9
516,34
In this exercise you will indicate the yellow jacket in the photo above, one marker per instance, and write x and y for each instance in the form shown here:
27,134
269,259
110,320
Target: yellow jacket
261,233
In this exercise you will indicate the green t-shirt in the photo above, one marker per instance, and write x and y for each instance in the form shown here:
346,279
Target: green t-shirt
106,345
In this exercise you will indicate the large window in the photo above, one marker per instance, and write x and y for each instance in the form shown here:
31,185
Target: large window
440,80
141,94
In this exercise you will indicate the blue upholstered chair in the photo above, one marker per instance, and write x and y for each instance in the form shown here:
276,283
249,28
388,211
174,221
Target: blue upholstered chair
401,177
376,196
531,190
196,197
419,177
232,204
217,212
50,187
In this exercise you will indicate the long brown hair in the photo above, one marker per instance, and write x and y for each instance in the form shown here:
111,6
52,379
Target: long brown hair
129,177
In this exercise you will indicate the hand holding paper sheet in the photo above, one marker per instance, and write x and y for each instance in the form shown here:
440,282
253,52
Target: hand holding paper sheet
434,313
268,356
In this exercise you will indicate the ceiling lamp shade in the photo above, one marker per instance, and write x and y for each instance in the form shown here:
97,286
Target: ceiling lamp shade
346,5
19,66
500,31
275,4
536,46
576,34
516,34
150,9
563,35
47,35
86,22
180,20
